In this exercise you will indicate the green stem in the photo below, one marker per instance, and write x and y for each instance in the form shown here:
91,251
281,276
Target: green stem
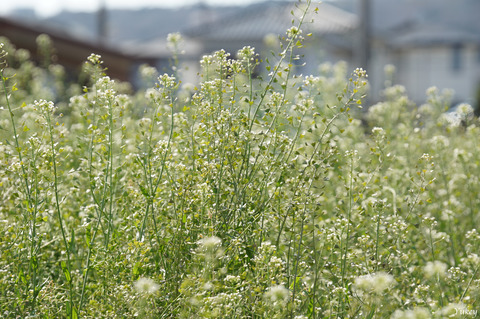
58,210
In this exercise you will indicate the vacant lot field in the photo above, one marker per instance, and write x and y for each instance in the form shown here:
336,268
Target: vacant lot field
237,197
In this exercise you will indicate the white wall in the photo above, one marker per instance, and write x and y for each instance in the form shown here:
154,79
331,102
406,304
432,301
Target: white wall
421,68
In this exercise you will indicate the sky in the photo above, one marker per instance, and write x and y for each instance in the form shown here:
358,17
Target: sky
45,8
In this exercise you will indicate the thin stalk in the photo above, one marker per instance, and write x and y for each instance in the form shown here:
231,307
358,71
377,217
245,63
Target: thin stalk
58,210
277,67
34,244
32,204
161,168
347,239
17,144
98,205
300,242
469,283
376,242
110,173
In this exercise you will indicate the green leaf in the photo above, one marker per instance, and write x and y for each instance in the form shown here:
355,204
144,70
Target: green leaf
71,311
74,313
22,278
136,269
72,241
66,272
34,262
88,235
144,191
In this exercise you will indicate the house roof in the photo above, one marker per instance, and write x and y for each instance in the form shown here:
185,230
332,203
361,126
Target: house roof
70,50
433,34
158,48
273,17
421,22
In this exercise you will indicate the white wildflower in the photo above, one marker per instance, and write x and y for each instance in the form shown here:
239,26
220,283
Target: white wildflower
389,70
426,109
210,242
464,110
166,80
174,40
271,40
432,91
146,286
416,313
377,283
246,53
277,294
440,141
293,32
451,119
360,73
435,269
145,122
95,59
148,72
453,310
210,247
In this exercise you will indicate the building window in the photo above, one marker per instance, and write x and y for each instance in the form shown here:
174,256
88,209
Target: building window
457,57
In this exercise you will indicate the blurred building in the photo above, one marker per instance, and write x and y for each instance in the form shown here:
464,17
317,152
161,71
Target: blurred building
262,24
69,50
431,42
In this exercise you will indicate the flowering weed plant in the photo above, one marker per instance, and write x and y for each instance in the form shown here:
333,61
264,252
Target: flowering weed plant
237,197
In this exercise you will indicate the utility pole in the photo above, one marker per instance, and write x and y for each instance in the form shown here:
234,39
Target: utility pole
102,23
365,35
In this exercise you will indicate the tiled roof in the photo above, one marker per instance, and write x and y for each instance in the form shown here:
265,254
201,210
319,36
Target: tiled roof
433,34
272,17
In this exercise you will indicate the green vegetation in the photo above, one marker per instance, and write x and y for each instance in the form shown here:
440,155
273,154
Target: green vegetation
237,198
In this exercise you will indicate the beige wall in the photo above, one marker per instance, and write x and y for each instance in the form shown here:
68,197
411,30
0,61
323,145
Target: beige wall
421,68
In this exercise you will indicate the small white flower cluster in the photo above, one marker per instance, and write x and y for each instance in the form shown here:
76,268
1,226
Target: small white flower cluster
95,59
293,32
453,310
435,269
44,41
389,70
209,243
145,123
271,40
432,91
3,54
465,111
174,39
378,131
246,53
44,106
394,92
440,141
148,72
167,81
146,286
277,295
360,73
376,283
450,119
311,80
415,313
